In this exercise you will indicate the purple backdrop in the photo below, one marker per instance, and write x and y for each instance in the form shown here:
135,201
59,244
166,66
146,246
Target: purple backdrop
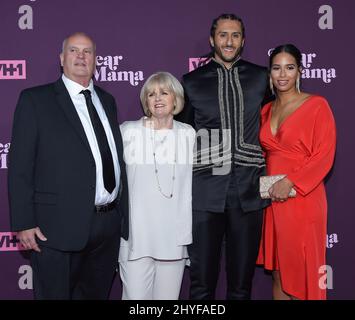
141,37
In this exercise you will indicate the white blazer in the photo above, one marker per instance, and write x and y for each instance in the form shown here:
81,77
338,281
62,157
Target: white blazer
166,239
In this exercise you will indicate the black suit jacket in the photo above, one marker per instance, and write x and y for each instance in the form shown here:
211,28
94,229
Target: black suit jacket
52,175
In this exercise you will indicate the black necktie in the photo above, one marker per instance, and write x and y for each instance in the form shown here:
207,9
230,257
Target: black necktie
105,151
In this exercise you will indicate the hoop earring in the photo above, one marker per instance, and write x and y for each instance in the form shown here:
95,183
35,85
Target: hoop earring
271,86
298,85
149,114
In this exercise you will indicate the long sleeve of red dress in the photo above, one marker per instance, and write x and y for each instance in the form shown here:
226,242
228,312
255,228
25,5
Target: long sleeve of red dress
321,150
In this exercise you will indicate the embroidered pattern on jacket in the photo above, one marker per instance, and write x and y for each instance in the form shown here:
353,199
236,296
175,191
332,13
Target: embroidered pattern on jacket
245,154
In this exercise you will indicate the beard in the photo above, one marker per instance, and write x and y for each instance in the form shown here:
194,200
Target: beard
218,51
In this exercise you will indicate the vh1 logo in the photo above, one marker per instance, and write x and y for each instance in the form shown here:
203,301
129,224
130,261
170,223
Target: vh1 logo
9,242
194,63
12,69
4,151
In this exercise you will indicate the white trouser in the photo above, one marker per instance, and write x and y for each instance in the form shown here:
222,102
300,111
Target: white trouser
150,279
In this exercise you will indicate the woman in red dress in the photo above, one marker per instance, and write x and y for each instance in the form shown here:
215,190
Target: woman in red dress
298,136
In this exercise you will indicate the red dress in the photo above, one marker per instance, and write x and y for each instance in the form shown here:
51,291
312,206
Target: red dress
294,231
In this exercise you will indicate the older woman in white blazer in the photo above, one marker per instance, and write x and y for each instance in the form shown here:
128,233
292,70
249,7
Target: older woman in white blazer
159,153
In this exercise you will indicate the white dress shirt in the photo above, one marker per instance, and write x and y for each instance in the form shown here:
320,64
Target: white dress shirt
102,196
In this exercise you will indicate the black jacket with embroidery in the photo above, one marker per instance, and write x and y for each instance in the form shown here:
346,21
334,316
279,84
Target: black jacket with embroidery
223,105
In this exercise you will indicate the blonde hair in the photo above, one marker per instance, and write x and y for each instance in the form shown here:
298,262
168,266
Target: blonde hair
164,80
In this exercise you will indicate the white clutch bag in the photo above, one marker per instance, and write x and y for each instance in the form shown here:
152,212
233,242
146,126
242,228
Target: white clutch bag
267,181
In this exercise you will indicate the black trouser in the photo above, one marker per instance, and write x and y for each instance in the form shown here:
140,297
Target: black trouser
86,274
241,232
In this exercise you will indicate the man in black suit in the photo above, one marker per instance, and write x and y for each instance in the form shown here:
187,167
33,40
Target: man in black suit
67,181
222,102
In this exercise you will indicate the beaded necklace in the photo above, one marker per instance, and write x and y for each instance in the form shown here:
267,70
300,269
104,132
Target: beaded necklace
156,171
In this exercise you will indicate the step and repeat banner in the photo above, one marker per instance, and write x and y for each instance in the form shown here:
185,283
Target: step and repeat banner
136,38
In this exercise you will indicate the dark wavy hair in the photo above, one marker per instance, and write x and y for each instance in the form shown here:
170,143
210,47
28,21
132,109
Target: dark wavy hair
290,49
223,16
226,16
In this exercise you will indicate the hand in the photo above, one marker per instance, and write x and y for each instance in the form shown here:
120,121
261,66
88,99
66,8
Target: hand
280,190
28,238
